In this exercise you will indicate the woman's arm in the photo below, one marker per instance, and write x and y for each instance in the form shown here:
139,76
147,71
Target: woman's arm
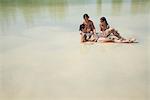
93,28
94,31
101,28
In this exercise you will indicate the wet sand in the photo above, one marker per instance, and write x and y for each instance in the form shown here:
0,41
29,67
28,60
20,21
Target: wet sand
37,66
41,57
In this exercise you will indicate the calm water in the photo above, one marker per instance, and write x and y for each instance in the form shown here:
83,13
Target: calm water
41,57
19,15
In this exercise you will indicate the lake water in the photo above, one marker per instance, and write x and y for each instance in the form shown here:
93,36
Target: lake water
41,57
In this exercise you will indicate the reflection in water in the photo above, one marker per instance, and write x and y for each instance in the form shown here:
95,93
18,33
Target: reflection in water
137,6
21,14
122,7
31,2
98,7
27,13
116,7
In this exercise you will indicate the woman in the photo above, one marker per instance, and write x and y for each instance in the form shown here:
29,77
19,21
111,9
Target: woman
106,31
87,29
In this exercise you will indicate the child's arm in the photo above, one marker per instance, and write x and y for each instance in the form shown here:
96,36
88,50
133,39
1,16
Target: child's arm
81,32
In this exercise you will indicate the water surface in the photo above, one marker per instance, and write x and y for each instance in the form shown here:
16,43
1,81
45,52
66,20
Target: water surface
41,56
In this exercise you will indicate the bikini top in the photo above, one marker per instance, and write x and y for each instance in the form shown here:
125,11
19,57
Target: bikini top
89,25
107,27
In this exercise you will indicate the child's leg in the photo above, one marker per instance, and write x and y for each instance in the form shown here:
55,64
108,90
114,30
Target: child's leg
91,37
83,37
95,37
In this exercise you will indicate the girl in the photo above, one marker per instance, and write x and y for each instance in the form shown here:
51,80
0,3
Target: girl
106,31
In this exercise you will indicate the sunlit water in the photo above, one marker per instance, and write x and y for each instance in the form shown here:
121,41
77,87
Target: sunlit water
41,57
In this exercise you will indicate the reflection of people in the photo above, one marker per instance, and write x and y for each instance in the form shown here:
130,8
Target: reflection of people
87,29
106,31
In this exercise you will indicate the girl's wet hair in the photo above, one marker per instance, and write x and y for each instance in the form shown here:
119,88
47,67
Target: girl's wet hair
104,19
85,15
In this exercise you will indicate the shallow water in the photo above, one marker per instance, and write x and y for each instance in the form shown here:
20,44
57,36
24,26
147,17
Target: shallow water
41,56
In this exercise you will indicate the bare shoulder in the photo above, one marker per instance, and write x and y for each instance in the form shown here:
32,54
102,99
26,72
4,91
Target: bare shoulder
90,21
100,24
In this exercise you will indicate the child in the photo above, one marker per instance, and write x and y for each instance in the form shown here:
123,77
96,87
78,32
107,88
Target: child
83,36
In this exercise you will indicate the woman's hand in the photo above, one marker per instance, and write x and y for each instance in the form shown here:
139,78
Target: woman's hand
88,30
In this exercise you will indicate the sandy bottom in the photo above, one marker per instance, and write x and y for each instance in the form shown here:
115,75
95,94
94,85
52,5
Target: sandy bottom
37,65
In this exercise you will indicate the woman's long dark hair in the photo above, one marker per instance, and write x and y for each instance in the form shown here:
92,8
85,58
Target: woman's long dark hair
104,19
85,15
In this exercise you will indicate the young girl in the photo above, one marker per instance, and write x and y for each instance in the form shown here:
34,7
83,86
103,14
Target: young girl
106,31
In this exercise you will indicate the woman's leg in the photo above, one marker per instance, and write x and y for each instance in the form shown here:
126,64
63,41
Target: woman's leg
95,37
115,33
91,37
105,33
